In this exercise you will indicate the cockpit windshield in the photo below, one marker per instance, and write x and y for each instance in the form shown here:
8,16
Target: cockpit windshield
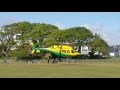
72,51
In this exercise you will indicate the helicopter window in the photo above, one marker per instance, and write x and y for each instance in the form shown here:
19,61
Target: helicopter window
68,51
64,51
72,51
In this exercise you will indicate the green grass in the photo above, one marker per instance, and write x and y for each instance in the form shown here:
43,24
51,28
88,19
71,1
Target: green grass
61,70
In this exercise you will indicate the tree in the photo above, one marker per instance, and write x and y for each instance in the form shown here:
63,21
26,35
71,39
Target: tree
56,37
99,44
41,31
7,36
24,28
80,35
35,31
6,39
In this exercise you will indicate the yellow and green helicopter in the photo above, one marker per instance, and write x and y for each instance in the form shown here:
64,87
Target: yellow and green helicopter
57,51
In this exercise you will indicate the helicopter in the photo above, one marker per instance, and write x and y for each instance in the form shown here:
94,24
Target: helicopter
57,51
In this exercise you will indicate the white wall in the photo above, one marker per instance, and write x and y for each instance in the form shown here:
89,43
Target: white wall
112,54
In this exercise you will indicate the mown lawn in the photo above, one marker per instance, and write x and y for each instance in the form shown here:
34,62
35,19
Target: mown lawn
61,70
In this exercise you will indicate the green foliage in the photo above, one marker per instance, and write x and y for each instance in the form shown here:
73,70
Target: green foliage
80,35
56,37
23,27
21,51
47,56
41,31
6,39
99,44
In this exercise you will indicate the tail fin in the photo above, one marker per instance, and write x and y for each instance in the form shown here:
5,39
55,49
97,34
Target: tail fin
34,49
31,43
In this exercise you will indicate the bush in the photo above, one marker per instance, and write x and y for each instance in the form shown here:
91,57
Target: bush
47,56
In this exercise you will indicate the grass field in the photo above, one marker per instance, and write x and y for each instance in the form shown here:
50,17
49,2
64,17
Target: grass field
60,70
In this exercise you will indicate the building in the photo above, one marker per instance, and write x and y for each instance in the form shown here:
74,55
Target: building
85,50
114,50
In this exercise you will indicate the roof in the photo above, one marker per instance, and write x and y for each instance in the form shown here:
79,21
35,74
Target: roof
115,48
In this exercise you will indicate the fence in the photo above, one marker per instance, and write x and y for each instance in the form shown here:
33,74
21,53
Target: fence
62,60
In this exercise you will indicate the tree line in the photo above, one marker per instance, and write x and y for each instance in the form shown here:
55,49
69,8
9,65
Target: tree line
46,35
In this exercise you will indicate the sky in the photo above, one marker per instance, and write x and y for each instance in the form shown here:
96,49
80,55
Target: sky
106,24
